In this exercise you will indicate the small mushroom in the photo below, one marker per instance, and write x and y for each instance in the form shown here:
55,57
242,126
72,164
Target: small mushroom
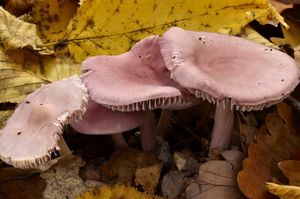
32,135
100,120
133,81
229,71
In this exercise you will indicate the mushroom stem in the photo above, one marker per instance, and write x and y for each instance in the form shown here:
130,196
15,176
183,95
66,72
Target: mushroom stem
223,124
164,121
148,135
64,149
119,141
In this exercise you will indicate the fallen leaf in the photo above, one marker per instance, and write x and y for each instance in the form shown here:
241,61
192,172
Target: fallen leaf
291,35
18,7
217,179
148,177
284,191
250,34
52,17
16,34
17,183
280,6
4,115
275,142
297,54
185,161
291,170
105,27
173,184
116,192
23,72
15,82
63,180
123,164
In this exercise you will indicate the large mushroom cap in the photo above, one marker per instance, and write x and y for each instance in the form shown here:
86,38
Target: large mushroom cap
216,67
136,80
100,120
33,131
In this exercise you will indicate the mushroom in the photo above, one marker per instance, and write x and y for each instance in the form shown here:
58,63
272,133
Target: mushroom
133,81
100,120
229,71
32,135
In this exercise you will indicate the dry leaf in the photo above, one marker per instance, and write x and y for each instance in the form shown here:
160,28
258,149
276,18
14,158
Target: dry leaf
173,184
291,35
217,179
148,177
17,183
275,142
18,7
123,164
52,17
279,6
63,180
284,191
4,115
291,170
16,34
112,27
297,54
116,192
15,82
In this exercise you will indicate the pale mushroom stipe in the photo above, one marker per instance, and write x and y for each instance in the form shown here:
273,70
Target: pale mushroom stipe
231,72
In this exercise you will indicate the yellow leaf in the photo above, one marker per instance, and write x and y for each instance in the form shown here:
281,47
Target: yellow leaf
52,17
284,191
291,35
148,177
112,27
252,35
116,192
4,115
23,72
17,34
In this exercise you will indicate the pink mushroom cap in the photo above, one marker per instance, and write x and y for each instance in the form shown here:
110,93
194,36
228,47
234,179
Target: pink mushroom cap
100,120
216,67
33,131
133,81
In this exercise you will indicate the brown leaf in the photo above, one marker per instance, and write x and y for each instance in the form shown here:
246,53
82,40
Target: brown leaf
17,183
123,164
275,142
291,170
148,177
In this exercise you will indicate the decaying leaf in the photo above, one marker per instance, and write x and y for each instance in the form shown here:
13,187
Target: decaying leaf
148,177
16,34
291,35
251,34
217,179
63,180
291,170
112,27
116,192
275,142
15,82
123,164
18,7
52,17
4,115
297,54
284,191
17,183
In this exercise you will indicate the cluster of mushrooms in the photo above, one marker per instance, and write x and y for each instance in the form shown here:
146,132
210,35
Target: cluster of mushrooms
118,93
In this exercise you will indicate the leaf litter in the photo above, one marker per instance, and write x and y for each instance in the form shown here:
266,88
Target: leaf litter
25,62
